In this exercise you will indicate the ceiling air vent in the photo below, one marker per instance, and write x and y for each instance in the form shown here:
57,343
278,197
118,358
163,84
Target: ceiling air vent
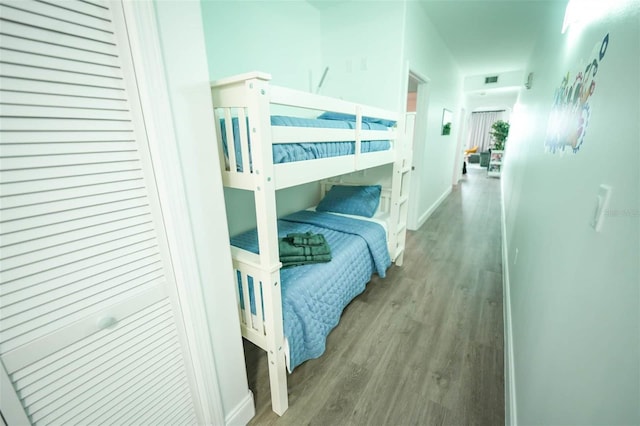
492,79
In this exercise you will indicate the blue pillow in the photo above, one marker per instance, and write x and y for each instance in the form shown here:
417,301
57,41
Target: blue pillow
350,117
354,200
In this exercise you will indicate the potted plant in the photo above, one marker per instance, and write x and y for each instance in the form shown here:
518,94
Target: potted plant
499,134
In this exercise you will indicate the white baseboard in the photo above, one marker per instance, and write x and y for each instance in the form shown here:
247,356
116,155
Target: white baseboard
510,407
423,218
243,412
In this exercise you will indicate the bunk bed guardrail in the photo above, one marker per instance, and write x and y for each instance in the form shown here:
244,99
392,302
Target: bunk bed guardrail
243,111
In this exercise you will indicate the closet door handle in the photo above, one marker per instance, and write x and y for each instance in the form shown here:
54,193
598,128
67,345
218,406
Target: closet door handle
106,322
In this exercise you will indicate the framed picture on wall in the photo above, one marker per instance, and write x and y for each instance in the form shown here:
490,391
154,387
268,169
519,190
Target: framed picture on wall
447,116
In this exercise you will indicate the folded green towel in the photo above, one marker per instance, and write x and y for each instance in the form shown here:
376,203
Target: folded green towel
304,260
292,254
287,248
306,239
297,259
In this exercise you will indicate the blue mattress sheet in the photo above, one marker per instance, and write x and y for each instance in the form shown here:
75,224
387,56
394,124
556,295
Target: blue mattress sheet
314,296
285,153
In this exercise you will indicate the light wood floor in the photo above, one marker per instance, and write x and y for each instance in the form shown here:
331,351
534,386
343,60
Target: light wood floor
423,346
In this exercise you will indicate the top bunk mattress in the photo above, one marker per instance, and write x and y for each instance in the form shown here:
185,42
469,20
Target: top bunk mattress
291,152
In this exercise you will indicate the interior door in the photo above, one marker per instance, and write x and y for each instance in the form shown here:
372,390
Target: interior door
90,323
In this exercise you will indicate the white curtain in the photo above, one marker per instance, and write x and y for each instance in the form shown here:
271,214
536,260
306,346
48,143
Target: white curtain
481,126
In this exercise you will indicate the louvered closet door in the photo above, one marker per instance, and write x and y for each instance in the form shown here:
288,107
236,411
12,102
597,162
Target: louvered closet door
90,330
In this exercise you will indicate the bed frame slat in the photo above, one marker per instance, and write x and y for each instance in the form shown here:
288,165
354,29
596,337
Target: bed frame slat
244,143
231,147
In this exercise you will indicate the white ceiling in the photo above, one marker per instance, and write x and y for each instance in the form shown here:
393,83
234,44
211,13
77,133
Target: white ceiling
485,36
491,36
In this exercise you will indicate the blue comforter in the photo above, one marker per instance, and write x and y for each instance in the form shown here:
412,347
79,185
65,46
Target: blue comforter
314,296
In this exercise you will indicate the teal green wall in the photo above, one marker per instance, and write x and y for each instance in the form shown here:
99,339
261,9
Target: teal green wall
574,292
281,38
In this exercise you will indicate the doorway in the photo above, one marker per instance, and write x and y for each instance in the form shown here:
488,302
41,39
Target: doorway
462,137
416,130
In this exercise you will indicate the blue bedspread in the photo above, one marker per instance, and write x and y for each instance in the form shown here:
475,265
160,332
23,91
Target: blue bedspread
285,153
314,296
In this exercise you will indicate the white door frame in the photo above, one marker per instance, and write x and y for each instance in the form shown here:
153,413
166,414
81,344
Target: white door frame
144,40
457,165
419,142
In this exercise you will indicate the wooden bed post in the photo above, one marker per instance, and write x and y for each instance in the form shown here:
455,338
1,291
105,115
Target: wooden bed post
258,113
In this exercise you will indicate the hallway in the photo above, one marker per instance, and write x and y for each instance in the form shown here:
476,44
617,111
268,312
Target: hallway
424,345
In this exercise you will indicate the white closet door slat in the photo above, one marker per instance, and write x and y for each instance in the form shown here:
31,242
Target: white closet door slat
15,11
82,361
26,162
60,76
133,403
156,359
71,215
40,62
20,124
59,88
61,101
85,9
47,308
40,348
184,417
83,266
60,410
49,323
20,244
49,196
57,112
43,50
49,292
81,201
25,266
75,240
75,385
28,175
99,21
27,30
129,327
77,136
168,362
89,316
49,49
59,148
52,230
169,414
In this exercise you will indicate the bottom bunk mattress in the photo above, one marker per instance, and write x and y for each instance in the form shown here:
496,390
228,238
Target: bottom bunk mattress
314,296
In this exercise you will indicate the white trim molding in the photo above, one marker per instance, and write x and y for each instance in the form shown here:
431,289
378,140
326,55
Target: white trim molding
423,218
510,408
144,40
242,413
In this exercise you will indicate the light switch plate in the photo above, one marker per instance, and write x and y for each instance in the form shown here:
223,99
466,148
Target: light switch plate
602,203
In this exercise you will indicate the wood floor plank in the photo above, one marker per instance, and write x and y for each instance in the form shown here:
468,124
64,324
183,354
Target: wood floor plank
424,346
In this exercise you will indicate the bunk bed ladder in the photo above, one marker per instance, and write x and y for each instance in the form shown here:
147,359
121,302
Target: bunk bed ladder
399,206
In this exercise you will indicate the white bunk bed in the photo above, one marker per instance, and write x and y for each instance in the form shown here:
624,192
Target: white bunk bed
247,101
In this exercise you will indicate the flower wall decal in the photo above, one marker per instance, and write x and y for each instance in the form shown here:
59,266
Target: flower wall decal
571,112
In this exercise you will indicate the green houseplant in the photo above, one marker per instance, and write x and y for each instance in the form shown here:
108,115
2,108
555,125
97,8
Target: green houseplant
499,133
